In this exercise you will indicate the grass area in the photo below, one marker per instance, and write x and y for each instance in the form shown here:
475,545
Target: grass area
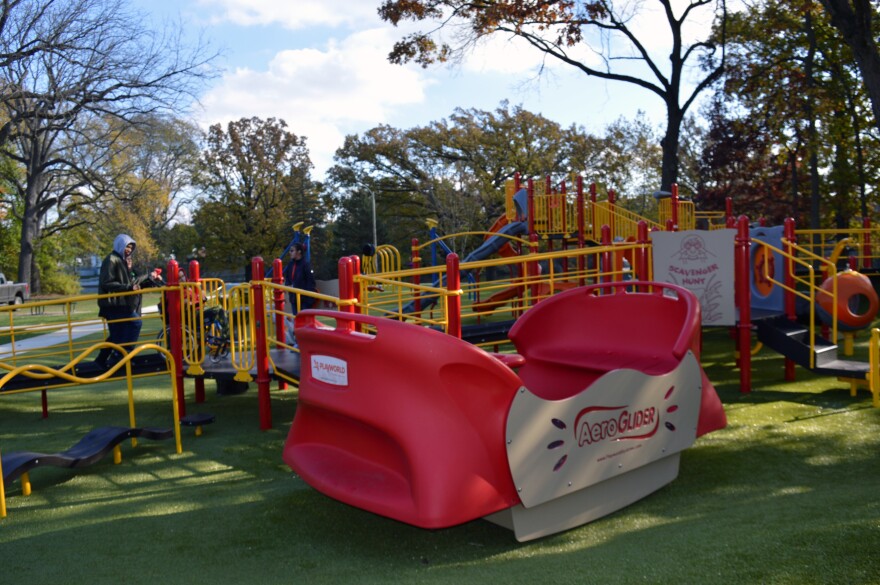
786,494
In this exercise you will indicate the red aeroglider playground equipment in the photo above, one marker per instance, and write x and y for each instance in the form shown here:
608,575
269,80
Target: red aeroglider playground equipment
425,428
604,387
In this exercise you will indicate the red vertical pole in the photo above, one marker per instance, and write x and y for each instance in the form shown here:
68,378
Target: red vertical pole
417,278
346,286
641,255
532,268
611,205
198,381
606,255
789,239
356,285
278,302
175,343
531,205
593,220
674,203
453,301
743,300
581,226
258,306
564,214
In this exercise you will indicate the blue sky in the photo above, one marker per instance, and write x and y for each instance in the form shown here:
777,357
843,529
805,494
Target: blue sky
321,66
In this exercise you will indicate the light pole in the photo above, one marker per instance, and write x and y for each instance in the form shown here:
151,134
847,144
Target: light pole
375,239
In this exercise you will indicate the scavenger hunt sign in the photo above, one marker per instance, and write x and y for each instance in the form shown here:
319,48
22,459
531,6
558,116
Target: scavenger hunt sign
702,262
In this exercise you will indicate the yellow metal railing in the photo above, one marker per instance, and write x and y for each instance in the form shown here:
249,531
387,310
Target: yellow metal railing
386,258
865,243
874,368
712,220
687,215
624,224
64,331
496,288
804,287
555,214
68,374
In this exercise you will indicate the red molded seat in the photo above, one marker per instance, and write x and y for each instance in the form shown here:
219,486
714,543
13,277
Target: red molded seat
403,421
574,337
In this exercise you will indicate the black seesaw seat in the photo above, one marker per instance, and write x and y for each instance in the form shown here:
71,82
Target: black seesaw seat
91,448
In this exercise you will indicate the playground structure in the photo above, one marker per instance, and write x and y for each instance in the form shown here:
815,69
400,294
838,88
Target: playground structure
587,424
532,268
454,307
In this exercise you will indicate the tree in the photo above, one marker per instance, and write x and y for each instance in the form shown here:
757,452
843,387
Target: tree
855,20
255,183
790,113
452,170
76,73
560,28
629,162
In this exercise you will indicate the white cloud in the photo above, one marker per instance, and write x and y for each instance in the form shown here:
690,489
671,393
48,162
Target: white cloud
348,86
294,15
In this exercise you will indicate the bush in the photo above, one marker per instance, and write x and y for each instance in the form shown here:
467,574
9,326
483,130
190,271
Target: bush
59,283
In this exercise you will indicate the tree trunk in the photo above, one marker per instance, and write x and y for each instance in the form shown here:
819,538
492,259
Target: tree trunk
809,113
853,19
30,230
669,145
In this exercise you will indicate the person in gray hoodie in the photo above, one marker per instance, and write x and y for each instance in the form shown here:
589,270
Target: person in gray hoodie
122,312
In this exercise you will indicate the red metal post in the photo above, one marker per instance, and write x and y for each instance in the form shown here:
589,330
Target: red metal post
606,266
417,278
278,301
453,301
743,301
593,220
612,202
258,306
531,205
198,381
356,285
641,256
346,286
674,203
532,268
581,226
564,215
175,326
789,239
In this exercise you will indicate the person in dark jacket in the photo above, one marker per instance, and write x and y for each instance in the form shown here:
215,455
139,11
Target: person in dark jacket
121,312
298,274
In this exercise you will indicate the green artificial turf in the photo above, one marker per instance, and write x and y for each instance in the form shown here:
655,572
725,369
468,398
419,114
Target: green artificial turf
788,493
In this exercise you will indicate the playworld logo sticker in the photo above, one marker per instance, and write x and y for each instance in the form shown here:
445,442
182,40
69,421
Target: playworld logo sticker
330,370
